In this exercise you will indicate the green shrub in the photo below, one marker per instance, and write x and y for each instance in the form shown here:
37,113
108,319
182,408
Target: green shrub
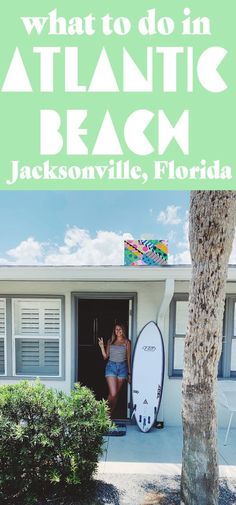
49,441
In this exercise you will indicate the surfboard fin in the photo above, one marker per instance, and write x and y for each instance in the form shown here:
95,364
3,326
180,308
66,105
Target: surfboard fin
132,415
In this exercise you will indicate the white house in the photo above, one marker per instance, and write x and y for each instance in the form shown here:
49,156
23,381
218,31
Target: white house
51,316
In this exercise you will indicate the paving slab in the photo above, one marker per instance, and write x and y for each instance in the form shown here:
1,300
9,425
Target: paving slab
158,452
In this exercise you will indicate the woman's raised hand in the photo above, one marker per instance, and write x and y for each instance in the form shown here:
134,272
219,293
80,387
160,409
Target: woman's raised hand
100,342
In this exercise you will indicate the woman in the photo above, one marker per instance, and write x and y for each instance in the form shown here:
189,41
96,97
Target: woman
118,368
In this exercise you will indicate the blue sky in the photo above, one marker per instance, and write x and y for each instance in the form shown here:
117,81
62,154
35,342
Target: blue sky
58,226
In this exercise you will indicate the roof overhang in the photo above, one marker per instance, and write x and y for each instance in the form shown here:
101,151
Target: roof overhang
94,273
101,273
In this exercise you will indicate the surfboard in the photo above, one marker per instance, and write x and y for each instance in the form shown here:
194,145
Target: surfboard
147,375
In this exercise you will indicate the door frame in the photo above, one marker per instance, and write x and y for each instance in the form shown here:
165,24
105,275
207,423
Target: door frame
98,295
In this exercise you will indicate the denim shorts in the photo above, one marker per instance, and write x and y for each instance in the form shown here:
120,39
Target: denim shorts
119,370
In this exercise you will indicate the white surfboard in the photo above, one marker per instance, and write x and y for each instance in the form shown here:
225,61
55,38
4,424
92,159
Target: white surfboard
147,375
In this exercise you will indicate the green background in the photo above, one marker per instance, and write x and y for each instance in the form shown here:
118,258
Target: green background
212,116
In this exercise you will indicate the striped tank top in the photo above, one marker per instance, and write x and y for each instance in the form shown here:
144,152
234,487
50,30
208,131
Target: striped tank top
117,353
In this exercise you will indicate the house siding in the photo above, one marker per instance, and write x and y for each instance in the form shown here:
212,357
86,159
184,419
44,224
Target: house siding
149,294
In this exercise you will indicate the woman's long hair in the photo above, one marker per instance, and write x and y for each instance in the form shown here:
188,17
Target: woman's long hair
114,336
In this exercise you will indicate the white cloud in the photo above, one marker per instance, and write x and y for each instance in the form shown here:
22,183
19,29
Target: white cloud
78,248
147,236
28,252
4,261
75,236
183,256
106,248
184,243
169,215
171,236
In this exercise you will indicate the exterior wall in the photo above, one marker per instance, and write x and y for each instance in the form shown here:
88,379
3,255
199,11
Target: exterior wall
149,296
149,299
173,386
43,289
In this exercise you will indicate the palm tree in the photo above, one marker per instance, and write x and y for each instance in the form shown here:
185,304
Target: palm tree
212,224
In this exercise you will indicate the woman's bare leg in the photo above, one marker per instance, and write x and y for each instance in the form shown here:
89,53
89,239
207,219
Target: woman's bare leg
120,383
113,392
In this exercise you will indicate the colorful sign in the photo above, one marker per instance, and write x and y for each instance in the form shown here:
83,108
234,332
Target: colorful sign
145,252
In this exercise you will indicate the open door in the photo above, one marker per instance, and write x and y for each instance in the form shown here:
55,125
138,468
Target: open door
96,318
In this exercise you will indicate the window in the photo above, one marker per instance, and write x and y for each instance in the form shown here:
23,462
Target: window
36,328
178,326
233,343
2,336
229,341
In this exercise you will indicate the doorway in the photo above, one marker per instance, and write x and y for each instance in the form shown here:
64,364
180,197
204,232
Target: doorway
96,317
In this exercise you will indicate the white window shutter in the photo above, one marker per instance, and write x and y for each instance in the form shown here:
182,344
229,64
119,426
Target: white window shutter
37,357
52,321
2,356
2,335
37,332
40,318
181,317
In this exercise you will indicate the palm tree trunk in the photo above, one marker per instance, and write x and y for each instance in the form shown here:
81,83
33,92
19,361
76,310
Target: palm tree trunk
212,223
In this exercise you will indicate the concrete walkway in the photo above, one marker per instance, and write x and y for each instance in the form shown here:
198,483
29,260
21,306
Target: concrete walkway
158,452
